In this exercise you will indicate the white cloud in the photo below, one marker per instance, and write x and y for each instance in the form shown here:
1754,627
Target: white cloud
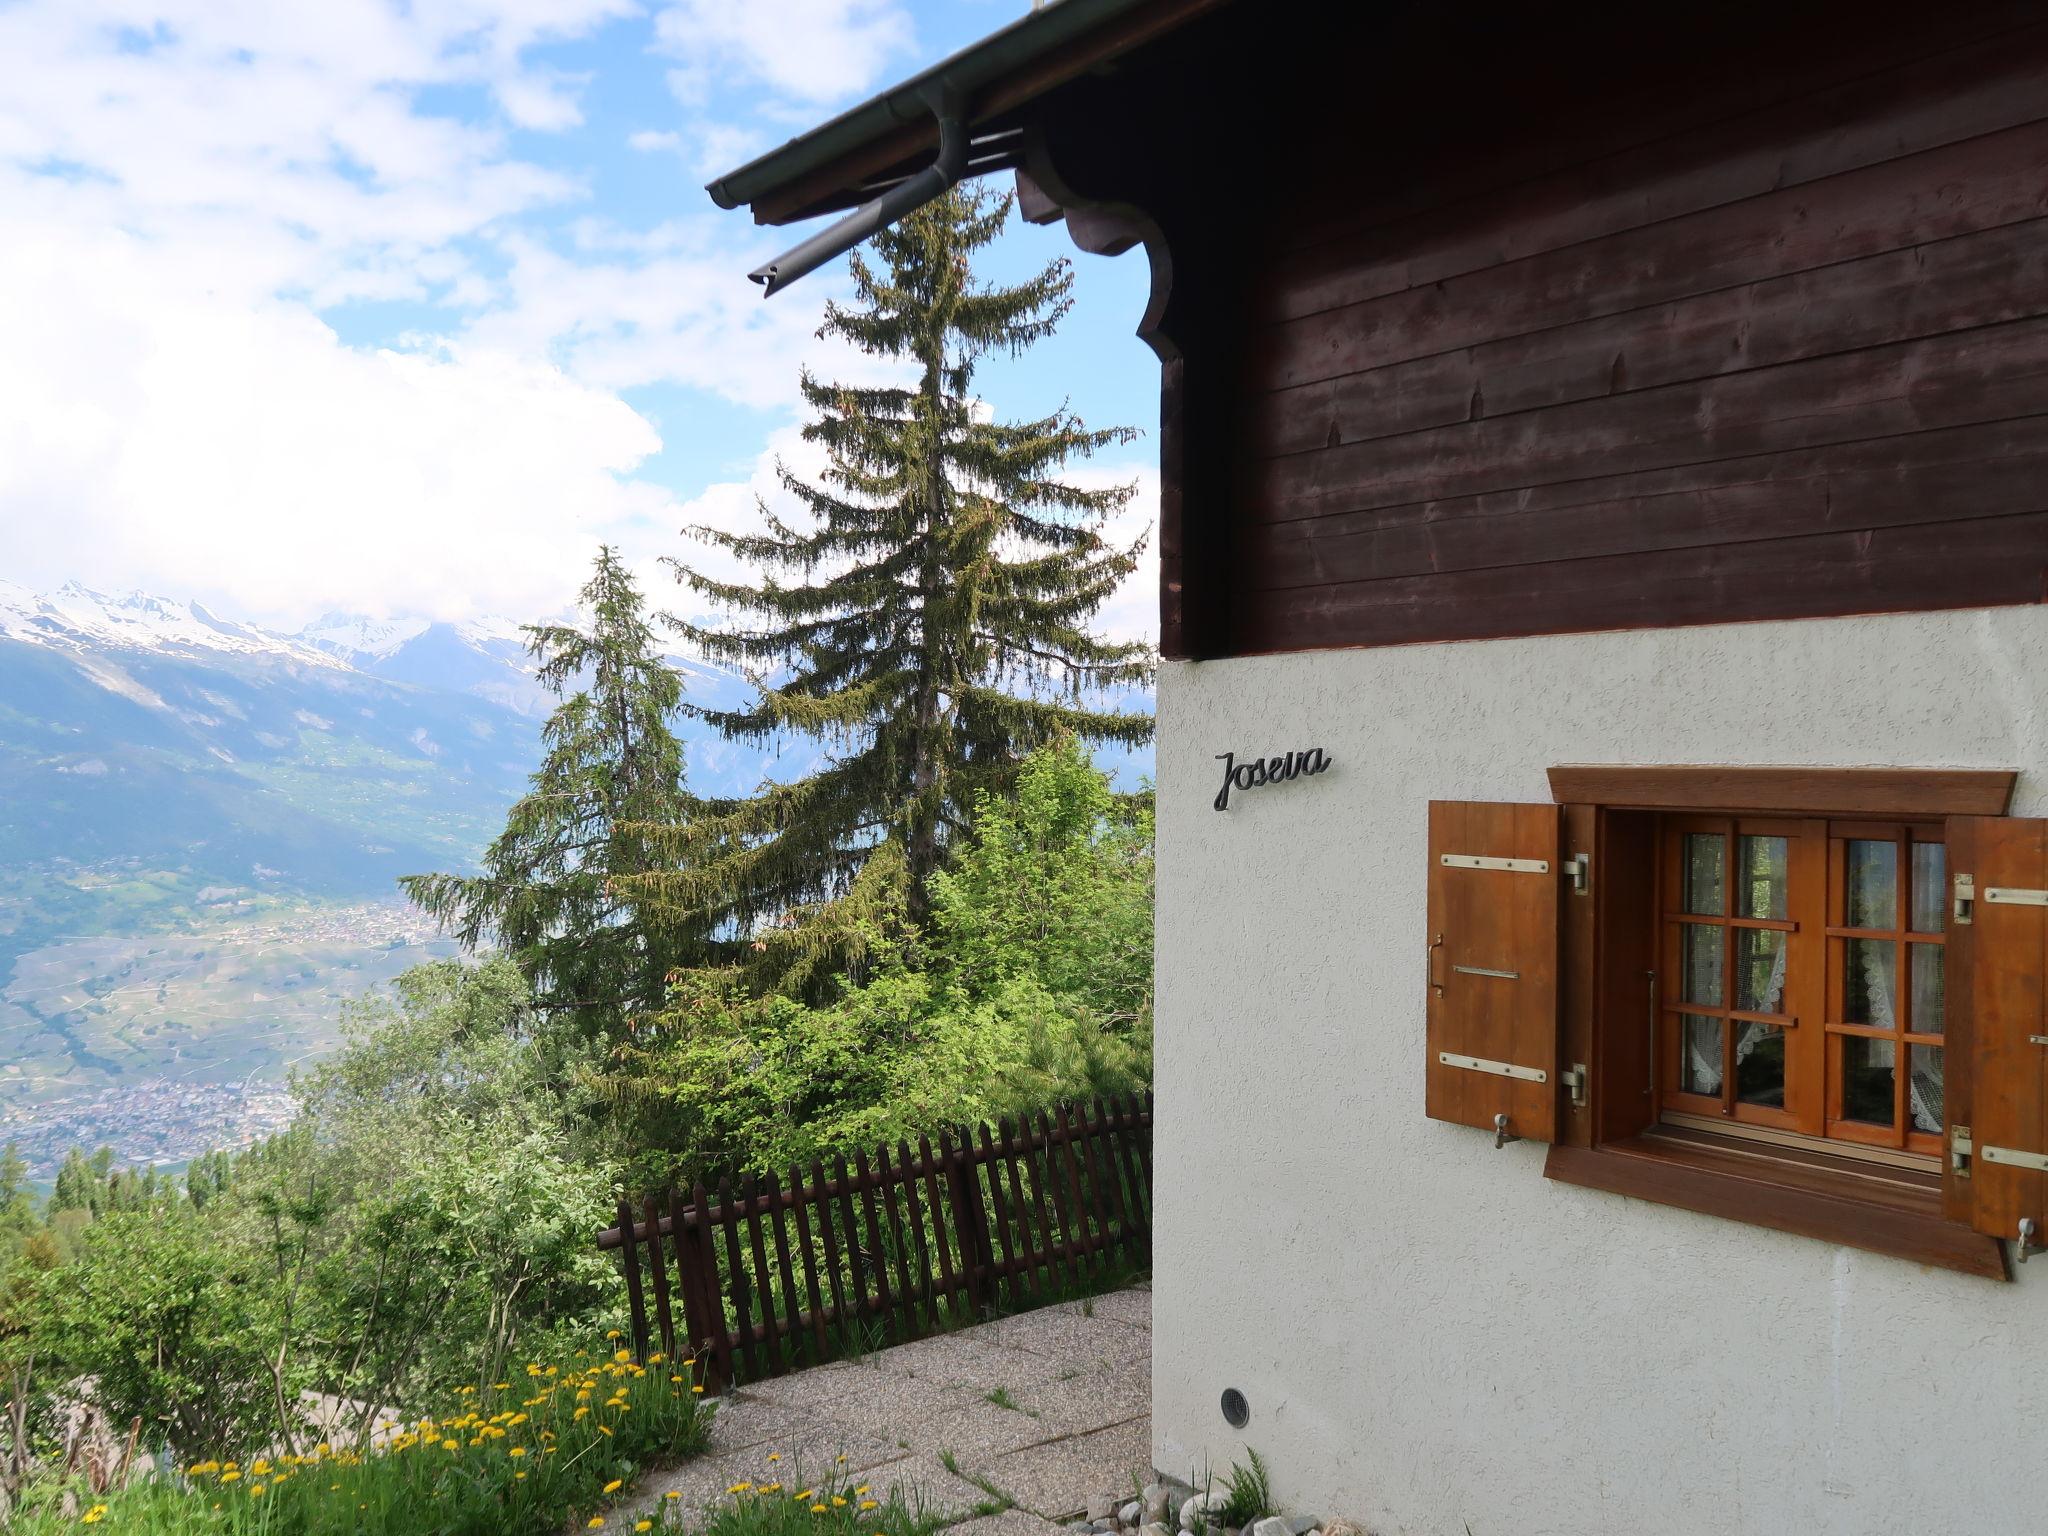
812,50
237,452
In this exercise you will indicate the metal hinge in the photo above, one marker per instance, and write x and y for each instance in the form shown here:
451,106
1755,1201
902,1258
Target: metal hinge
1959,1149
1488,861
1966,899
1574,1078
1580,868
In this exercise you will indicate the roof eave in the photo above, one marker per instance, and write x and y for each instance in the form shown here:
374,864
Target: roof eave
967,74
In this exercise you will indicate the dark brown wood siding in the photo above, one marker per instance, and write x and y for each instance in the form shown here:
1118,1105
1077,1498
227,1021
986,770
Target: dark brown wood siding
1725,342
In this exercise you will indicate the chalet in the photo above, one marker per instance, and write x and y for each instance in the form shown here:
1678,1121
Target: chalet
1611,1096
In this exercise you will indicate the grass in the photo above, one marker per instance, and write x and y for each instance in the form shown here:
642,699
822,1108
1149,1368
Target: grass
996,1502
834,1507
522,1458
1247,1494
1002,1399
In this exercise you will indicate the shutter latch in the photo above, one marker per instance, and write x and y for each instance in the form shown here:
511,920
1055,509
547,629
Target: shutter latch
1966,899
1580,868
2023,1243
1959,1149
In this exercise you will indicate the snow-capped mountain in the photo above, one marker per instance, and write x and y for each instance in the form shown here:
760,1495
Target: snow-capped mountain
75,617
485,658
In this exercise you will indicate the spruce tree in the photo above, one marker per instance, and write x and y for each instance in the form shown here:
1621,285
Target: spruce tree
554,891
929,619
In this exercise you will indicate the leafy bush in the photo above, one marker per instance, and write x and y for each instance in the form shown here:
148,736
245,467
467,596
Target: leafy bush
517,1458
1033,985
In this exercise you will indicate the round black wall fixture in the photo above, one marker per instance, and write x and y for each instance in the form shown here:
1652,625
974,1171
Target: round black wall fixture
1236,1411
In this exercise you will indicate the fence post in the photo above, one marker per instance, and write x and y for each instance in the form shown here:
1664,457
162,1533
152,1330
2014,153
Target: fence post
970,1221
635,1300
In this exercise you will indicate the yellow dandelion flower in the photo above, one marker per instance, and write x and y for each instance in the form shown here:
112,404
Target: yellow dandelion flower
817,1509
518,1477
605,1430
230,1477
595,1522
517,1450
775,1455
643,1525
696,1389
614,1485
869,1504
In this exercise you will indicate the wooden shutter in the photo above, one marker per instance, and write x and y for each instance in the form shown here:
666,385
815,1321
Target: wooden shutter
1997,1095
1494,882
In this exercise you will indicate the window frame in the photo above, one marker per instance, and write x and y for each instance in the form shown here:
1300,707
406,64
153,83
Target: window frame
1813,1016
1611,1129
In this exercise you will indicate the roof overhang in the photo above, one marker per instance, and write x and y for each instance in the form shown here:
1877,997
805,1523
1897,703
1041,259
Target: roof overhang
863,152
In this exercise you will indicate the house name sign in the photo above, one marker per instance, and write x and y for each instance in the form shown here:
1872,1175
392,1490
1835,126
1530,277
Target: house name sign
1261,771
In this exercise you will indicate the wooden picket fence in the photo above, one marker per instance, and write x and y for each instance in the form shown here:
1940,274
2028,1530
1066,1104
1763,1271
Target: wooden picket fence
779,1274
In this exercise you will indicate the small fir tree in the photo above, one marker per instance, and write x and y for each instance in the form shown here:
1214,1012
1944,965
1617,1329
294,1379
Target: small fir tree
932,620
555,887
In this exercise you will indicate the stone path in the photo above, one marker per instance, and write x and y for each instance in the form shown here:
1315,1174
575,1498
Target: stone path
1044,1411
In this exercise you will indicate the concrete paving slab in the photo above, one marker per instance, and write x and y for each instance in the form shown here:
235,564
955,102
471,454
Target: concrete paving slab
1081,1379
925,1484
1056,1479
976,1364
742,1421
807,1448
1011,1522
1065,1335
1082,1398
918,1414
1132,1308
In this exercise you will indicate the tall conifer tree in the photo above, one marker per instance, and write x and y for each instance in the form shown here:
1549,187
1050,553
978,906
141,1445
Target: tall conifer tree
931,621
555,888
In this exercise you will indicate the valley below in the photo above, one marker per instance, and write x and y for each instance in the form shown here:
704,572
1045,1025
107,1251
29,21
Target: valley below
164,1045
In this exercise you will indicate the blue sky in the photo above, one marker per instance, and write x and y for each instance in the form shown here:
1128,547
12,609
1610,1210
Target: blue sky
402,308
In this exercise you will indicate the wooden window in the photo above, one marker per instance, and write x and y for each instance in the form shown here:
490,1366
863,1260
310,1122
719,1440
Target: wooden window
1740,916
1845,974
1804,986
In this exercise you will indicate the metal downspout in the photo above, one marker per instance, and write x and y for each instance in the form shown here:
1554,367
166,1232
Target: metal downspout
905,197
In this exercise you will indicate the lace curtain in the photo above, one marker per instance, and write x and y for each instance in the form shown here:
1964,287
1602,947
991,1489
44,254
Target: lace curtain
1923,1087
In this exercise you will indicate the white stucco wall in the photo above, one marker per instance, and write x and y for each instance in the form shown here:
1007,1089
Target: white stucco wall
1434,1337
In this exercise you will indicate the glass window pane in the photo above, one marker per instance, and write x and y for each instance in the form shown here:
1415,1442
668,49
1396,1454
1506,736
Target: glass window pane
1704,852
1762,893
1930,887
1699,1055
1873,874
1760,1065
1699,964
1871,983
1759,970
1867,1079
1929,1005
1923,1089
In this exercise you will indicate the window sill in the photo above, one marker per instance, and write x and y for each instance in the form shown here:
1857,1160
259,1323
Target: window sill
1879,1210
